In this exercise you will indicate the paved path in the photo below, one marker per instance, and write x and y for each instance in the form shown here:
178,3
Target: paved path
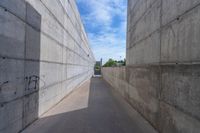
92,108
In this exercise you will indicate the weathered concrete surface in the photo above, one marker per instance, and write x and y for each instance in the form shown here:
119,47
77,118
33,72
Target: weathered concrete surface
161,79
168,100
92,108
44,55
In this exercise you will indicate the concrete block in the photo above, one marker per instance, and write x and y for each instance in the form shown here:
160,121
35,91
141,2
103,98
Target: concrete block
140,87
55,7
131,4
30,107
172,120
180,40
32,77
171,9
141,7
16,7
11,79
64,55
70,56
12,35
65,88
33,17
149,23
64,72
50,74
70,12
49,25
146,51
48,97
145,84
68,41
50,50
180,88
33,44
11,116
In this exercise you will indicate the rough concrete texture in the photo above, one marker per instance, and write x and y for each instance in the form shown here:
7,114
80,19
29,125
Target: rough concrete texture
161,79
170,105
44,55
91,108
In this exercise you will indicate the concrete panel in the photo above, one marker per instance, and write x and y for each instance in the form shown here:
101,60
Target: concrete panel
139,86
70,56
68,41
131,4
49,97
175,121
171,9
11,79
16,7
70,12
33,18
56,8
11,116
180,40
33,43
12,35
180,88
163,89
149,23
144,81
141,7
49,46
50,74
49,25
32,77
146,51
30,107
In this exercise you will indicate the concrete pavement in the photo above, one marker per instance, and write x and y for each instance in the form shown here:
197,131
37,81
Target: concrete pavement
91,108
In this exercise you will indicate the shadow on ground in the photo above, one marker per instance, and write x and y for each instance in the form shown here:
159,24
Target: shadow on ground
93,108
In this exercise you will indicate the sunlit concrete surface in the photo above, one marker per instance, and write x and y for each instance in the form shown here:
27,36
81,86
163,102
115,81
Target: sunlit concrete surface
91,108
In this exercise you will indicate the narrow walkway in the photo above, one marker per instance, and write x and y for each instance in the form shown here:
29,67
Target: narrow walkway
92,108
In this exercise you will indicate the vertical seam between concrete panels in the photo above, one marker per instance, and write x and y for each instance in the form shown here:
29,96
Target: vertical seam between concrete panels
24,89
160,53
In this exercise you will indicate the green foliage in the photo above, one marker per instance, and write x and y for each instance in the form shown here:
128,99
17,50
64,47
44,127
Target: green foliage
110,63
113,63
97,67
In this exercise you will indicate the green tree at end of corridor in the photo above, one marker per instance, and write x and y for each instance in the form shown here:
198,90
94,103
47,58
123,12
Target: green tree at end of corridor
114,63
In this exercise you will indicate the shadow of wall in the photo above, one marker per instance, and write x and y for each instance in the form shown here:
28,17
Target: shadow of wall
20,27
103,114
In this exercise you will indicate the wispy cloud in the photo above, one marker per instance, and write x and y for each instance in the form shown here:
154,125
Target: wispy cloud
105,23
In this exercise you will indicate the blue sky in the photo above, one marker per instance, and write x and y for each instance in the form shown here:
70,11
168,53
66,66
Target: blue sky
105,24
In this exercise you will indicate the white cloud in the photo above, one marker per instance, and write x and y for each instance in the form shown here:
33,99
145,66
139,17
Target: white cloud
109,42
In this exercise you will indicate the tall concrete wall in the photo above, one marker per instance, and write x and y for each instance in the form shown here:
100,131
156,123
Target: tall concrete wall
44,55
162,76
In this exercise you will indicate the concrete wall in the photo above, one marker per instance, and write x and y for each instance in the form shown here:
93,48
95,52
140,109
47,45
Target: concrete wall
162,76
44,55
